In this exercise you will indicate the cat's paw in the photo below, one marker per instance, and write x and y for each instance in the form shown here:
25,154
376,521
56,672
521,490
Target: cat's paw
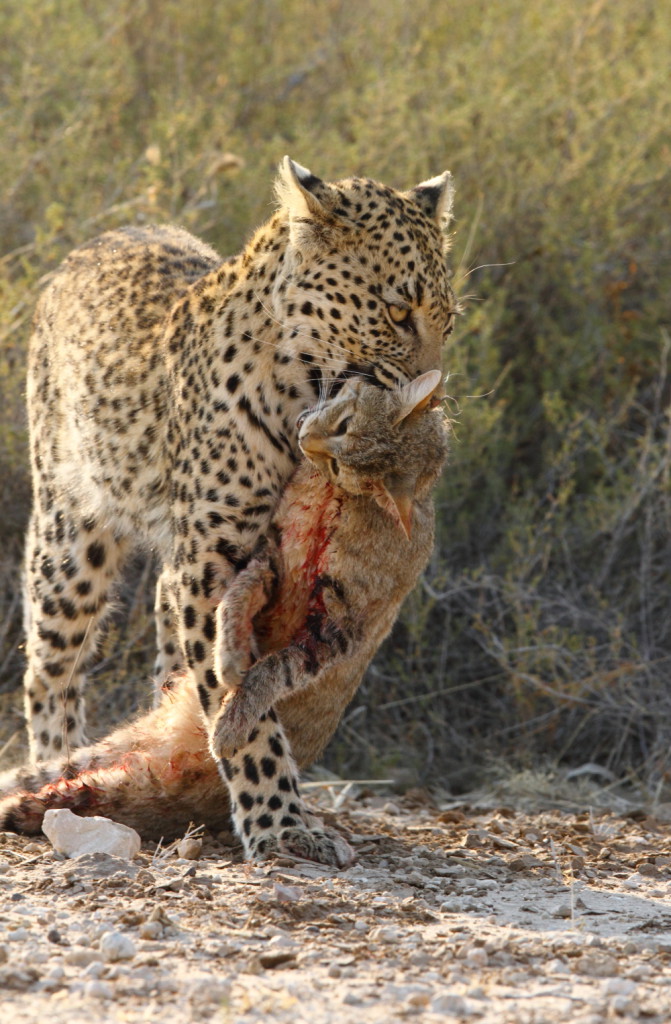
233,724
233,664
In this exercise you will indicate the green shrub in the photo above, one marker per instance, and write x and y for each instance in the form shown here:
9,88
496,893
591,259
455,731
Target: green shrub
542,626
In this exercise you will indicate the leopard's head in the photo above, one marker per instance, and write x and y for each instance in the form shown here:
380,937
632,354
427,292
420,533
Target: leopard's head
365,287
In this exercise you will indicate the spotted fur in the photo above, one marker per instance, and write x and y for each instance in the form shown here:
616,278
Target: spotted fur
316,601
163,392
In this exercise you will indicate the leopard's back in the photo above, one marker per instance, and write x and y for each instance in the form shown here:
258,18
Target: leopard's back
97,390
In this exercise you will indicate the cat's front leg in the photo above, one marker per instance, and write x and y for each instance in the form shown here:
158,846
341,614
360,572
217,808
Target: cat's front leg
275,676
247,594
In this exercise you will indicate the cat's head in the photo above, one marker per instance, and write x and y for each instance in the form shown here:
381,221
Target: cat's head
387,444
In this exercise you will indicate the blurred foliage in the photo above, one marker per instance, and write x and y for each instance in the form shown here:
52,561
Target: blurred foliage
542,627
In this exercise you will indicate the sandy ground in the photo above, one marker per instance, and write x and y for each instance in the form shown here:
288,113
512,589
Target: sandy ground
457,912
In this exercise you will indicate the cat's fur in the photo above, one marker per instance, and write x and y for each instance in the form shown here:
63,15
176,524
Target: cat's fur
352,533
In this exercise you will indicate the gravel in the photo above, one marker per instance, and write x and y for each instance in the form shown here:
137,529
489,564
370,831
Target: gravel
450,914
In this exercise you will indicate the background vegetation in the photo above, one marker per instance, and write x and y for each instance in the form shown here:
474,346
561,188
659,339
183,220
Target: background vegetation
542,629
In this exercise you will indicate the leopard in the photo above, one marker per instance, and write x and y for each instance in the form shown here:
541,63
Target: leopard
297,629
164,388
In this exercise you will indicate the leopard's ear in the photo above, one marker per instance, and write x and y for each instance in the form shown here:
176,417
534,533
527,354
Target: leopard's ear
417,395
435,198
303,194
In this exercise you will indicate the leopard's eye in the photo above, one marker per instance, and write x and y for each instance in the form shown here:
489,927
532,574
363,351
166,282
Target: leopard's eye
342,426
398,314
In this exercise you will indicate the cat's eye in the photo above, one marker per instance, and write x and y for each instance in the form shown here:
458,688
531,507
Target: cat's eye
335,468
342,426
398,314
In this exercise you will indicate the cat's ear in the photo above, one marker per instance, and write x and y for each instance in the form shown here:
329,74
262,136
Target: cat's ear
396,498
417,395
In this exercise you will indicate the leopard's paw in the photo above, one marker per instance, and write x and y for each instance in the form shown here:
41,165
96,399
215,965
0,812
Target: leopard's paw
321,845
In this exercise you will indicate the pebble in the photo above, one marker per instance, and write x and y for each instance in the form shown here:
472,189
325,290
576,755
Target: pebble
94,969
460,905
634,881
150,930
115,946
97,989
595,966
417,1000
619,987
477,957
81,957
450,1004
71,835
386,934
189,849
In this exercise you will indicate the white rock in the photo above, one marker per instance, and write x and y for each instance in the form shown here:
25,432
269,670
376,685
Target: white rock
116,946
619,987
451,1005
635,881
80,957
477,957
73,836
98,990
94,969
151,930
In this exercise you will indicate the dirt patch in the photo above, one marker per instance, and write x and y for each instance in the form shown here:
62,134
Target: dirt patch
491,914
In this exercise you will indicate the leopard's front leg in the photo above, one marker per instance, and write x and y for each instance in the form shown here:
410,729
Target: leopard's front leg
268,812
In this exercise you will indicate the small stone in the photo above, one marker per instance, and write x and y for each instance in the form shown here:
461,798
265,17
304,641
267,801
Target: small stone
151,930
97,989
334,971
596,966
189,849
634,881
80,957
19,978
71,835
619,987
449,1004
361,927
115,946
477,957
417,1000
279,959
94,969
385,934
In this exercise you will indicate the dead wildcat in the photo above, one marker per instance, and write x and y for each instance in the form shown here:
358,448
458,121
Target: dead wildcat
352,533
